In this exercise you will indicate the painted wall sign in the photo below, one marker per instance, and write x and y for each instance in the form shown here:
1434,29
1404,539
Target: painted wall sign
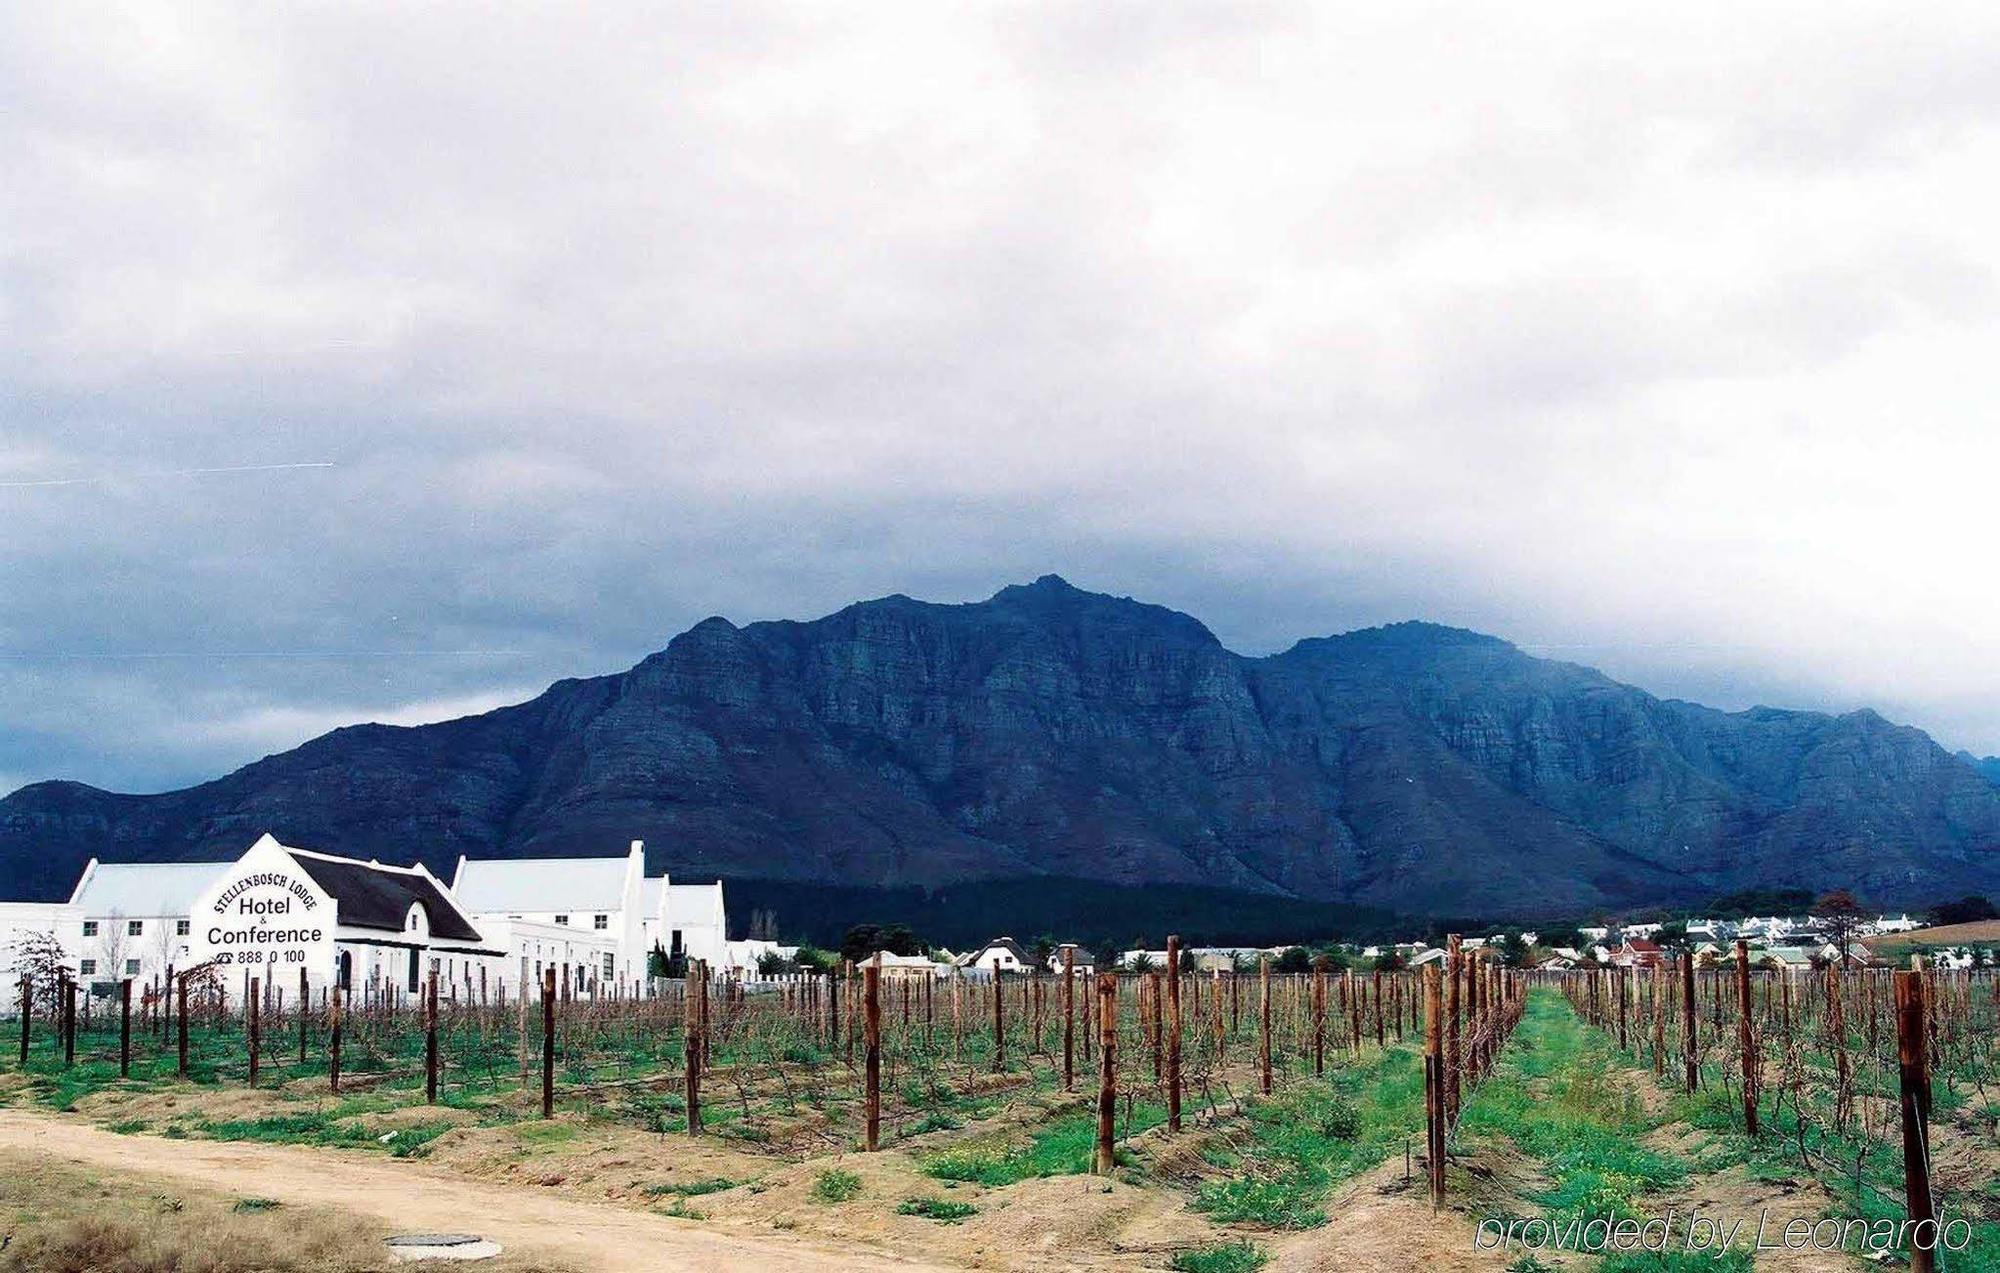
263,916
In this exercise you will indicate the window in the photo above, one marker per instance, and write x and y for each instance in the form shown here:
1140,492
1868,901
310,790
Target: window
86,967
135,928
131,967
562,919
180,928
90,928
600,922
611,970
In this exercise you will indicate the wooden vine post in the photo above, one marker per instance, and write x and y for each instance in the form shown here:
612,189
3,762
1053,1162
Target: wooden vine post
1069,1018
1688,1024
1746,1039
431,1038
999,1023
125,1028
549,1041
1434,1086
1264,1025
27,1015
305,1011
181,989
332,1040
69,1022
1454,965
1319,1019
871,1053
1105,1159
1913,1101
691,1042
1173,1033
255,1006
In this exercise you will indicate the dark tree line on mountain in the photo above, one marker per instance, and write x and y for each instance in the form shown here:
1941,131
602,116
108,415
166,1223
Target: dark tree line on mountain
1966,910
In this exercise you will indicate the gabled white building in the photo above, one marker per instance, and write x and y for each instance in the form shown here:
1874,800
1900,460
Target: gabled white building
132,919
586,917
692,920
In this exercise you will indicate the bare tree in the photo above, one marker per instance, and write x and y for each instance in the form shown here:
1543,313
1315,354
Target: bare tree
112,942
1842,917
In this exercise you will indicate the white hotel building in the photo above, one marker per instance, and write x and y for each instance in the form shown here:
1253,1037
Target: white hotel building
367,926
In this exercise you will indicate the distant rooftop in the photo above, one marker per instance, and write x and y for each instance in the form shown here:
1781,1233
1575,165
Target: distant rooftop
145,888
495,886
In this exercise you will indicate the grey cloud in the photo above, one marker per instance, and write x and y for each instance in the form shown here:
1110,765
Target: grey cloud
1656,337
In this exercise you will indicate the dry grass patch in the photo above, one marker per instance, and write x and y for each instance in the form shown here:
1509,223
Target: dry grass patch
55,1218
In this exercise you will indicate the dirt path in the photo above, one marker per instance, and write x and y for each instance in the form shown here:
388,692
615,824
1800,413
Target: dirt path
411,1196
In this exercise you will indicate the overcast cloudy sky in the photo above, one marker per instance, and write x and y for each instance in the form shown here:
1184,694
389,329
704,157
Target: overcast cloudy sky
1668,343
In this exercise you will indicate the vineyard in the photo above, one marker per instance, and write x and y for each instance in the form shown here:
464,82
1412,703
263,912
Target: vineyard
1228,1120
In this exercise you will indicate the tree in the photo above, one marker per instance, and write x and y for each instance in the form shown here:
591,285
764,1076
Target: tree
1513,950
1842,917
1673,937
1295,959
39,955
817,960
1389,960
770,964
1966,910
863,940
1560,935
1041,949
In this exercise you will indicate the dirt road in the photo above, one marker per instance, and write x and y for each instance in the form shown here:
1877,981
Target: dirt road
410,1196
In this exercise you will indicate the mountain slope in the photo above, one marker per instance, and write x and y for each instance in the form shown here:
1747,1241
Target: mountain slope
1053,732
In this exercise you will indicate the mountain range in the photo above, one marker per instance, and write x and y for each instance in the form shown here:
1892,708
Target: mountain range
1050,735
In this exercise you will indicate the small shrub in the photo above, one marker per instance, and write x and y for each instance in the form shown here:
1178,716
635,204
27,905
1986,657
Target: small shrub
1224,1257
692,1188
836,1185
943,1210
255,1204
1339,1119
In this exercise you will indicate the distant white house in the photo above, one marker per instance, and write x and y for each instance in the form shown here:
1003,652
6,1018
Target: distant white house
1002,954
1081,959
905,967
1890,924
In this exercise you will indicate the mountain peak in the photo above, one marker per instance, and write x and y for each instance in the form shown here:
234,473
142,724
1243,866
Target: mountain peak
1052,596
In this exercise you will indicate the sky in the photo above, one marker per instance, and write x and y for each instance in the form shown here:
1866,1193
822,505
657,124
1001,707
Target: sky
388,362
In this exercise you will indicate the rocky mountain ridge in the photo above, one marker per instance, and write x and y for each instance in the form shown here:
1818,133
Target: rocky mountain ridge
1052,732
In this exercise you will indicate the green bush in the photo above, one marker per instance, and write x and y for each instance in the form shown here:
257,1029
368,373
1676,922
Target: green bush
836,1185
942,1210
1224,1257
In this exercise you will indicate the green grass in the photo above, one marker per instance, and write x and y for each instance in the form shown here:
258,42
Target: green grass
326,1129
255,1204
545,1133
692,1188
1308,1138
942,1210
1065,1146
1224,1257
1557,1096
836,1185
